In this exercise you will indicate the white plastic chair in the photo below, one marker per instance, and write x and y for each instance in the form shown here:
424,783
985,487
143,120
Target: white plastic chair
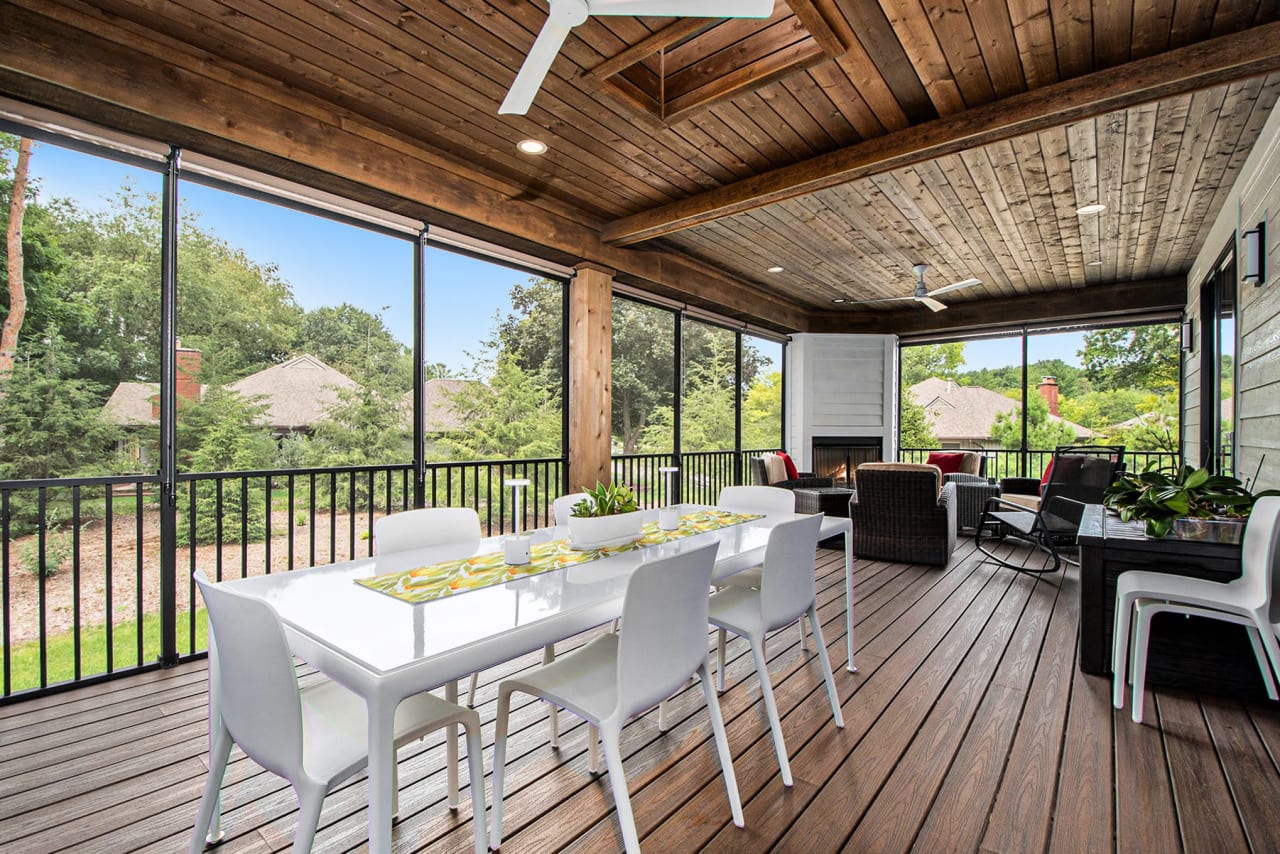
314,737
752,499
1245,601
425,528
616,677
561,506
787,590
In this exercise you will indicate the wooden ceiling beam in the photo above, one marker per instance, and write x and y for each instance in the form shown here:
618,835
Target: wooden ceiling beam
194,100
641,50
1198,66
1075,304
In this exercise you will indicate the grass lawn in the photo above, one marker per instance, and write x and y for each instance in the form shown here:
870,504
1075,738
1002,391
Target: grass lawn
24,662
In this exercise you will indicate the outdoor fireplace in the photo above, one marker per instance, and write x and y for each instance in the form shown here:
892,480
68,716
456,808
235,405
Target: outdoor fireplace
837,456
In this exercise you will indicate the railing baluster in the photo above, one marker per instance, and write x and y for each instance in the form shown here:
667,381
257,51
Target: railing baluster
4,589
266,537
137,556
42,572
108,532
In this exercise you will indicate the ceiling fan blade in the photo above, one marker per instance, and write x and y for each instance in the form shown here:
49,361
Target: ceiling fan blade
683,8
536,65
879,299
955,286
931,303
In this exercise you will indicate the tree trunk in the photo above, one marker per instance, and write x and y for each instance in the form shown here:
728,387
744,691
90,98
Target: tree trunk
17,289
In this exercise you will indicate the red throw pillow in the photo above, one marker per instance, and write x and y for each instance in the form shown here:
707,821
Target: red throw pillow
946,463
1048,472
792,471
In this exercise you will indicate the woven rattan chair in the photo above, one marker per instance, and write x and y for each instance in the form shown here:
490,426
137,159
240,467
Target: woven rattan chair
903,512
806,480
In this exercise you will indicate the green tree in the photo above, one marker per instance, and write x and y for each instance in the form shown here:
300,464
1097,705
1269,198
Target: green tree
532,331
51,422
358,343
1100,410
1042,431
762,412
223,433
643,372
1145,357
923,361
914,430
365,428
509,418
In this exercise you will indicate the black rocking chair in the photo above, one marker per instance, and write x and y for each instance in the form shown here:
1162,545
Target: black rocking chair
1051,520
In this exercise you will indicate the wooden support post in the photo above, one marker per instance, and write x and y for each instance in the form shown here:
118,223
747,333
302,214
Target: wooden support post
590,375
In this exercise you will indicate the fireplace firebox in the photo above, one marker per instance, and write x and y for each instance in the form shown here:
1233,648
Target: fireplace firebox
837,456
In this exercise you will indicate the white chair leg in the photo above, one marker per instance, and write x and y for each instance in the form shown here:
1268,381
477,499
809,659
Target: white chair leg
804,643
395,789
1270,644
720,645
662,716
593,749
475,770
499,766
618,782
722,744
219,750
1120,650
821,646
553,713
451,748
1264,660
1139,663
771,708
471,691
310,800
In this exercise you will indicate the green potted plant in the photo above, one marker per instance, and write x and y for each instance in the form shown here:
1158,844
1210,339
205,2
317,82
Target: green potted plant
609,515
1192,502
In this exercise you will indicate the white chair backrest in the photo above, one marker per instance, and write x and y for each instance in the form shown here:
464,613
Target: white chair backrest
432,526
663,637
256,683
561,506
1260,552
757,499
787,585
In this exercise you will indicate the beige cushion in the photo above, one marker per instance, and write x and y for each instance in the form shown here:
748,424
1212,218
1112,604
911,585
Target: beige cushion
775,469
1031,502
969,462
937,472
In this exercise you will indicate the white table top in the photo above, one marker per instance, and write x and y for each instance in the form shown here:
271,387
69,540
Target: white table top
480,628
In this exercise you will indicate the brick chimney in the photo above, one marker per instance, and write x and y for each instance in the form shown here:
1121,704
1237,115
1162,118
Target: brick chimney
187,364
1049,391
187,368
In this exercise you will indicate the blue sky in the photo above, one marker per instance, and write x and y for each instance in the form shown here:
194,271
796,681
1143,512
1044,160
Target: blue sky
328,263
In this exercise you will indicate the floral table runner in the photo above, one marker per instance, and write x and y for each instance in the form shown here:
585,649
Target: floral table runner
424,583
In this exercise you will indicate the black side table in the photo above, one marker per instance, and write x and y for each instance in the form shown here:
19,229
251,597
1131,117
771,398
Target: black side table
831,500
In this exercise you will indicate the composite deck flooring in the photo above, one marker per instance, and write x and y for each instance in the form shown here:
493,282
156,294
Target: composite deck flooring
968,727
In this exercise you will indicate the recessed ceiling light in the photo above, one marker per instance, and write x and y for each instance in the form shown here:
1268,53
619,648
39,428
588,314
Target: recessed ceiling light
838,299
1091,209
532,146
1094,264
775,269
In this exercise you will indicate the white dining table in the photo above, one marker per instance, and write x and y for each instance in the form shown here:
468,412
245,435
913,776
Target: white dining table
385,649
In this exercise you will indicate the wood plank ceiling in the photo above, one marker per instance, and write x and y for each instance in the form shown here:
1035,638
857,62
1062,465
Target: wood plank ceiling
962,134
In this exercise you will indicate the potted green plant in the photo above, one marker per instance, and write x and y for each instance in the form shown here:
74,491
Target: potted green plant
609,515
1192,502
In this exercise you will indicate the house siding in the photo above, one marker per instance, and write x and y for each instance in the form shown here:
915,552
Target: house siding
1254,198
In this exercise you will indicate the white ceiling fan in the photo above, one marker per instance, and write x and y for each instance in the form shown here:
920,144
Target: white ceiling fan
567,14
922,295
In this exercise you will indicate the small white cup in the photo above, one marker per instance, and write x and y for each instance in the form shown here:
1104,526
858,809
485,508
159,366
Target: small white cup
515,550
669,518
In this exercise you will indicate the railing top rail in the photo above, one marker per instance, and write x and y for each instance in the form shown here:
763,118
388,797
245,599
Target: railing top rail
209,475
68,482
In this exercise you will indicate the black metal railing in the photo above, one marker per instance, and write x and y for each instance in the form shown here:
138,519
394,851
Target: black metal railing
80,564
1009,463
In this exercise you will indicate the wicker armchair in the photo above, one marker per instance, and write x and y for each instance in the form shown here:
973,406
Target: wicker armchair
806,480
900,513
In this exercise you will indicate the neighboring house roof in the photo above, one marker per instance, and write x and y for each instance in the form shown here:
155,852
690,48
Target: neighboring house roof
297,393
440,413
959,413
130,404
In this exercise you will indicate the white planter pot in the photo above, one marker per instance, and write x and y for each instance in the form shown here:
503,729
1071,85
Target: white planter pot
595,531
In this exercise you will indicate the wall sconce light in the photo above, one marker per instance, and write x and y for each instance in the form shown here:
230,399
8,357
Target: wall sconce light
1188,337
1255,254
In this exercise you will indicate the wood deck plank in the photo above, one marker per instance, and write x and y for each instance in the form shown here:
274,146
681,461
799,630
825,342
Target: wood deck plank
969,727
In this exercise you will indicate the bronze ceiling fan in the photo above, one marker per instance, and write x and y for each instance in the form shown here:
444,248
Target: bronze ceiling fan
567,14
922,295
